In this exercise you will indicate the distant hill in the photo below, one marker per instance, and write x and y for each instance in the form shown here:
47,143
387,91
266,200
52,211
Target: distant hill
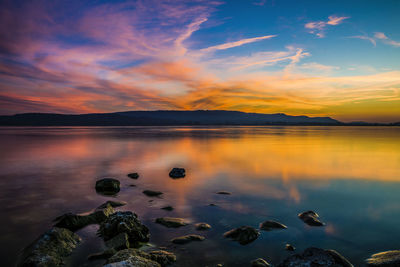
131,118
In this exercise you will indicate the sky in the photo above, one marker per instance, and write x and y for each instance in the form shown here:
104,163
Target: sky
316,58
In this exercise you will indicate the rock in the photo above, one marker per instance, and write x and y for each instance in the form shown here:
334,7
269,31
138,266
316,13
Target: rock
177,173
152,193
223,193
202,226
311,218
133,175
171,222
138,258
125,222
271,225
260,263
212,205
219,265
108,186
50,249
389,258
102,255
75,222
316,257
244,234
289,247
118,242
132,185
113,204
187,238
168,208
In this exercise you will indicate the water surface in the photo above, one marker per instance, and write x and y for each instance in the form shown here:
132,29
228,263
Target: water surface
349,175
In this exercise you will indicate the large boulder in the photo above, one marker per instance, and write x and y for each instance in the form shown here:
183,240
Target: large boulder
316,257
244,234
389,258
125,222
177,173
271,225
50,249
138,258
108,186
171,222
311,218
75,222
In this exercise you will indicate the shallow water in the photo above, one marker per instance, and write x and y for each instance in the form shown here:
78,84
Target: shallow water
349,175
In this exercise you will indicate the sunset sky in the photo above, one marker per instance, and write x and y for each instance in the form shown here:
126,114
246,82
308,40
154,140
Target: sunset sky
315,58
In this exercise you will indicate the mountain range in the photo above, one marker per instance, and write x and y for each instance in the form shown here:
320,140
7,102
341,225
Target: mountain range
162,117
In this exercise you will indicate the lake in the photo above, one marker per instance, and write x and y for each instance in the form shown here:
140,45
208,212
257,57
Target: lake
349,175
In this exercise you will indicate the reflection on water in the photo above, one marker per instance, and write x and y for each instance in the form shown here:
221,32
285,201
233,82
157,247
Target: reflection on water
349,175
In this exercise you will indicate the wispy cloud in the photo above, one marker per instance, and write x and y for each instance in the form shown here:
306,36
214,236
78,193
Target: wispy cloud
378,36
386,40
236,43
318,27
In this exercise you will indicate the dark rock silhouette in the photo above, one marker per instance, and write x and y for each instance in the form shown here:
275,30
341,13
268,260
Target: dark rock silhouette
271,225
171,222
187,238
311,218
244,234
385,259
108,186
177,173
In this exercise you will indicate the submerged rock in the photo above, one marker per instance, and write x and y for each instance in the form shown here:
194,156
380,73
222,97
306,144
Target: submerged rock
171,222
168,208
289,247
75,222
187,238
152,193
108,186
113,204
316,257
311,218
271,225
177,173
389,258
244,234
133,175
138,258
202,226
102,255
125,222
260,263
50,249
223,193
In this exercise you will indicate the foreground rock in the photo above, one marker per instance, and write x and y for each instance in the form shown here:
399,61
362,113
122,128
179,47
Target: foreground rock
187,238
202,226
75,222
118,242
151,193
50,249
311,218
316,257
177,173
133,175
385,259
244,234
260,263
171,222
137,258
125,222
271,225
108,186
113,204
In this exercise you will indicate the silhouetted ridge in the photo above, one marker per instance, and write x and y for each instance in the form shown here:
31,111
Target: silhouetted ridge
163,117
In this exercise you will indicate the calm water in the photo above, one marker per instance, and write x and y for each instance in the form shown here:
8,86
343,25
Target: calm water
349,175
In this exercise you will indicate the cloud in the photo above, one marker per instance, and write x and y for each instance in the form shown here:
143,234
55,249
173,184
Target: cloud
381,36
236,43
318,27
378,36
364,37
